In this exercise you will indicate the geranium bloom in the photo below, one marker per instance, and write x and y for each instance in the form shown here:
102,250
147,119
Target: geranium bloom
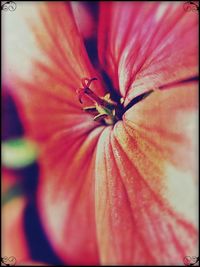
120,189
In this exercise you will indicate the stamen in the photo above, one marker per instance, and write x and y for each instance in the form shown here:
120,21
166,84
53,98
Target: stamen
100,116
104,109
90,108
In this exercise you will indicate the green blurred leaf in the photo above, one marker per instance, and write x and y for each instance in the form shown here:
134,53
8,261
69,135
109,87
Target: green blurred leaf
18,153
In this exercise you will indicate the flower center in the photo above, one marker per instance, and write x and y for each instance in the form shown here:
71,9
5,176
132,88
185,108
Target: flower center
104,110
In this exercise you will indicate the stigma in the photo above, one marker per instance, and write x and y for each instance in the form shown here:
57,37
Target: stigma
104,109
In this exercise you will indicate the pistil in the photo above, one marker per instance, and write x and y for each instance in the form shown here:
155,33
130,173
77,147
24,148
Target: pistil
104,108
88,92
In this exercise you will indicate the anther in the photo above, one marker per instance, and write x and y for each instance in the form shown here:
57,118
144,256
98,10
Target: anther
104,108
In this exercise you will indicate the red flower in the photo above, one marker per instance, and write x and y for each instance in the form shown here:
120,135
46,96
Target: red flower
121,190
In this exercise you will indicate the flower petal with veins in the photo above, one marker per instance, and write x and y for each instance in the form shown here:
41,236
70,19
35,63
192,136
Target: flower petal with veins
144,45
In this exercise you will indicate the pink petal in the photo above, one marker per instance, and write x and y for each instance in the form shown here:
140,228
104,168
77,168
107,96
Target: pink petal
50,110
66,197
146,180
144,45
46,93
48,62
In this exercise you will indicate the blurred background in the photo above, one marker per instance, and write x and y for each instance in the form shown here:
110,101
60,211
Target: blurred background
22,233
